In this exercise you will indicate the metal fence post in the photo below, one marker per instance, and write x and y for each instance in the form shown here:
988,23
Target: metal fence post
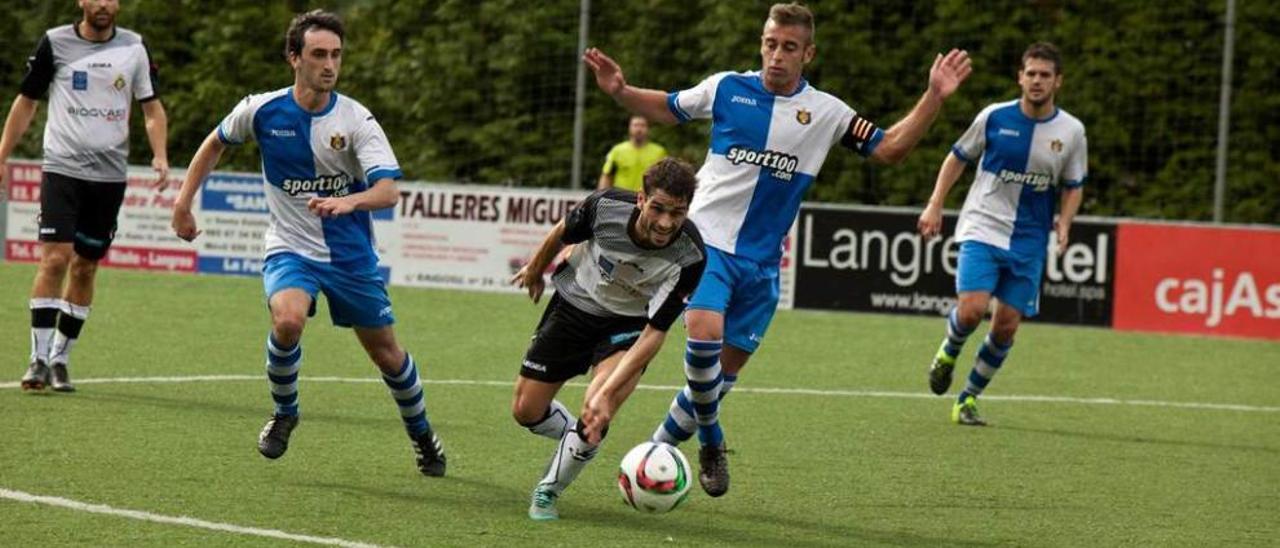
1224,112
584,24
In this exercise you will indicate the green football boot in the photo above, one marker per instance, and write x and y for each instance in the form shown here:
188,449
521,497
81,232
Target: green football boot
543,506
940,371
966,413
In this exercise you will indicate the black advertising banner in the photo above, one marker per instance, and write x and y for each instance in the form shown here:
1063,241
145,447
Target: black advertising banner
874,260
1079,283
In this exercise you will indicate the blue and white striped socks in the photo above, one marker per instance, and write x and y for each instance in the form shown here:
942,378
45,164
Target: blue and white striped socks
680,424
282,370
699,402
956,335
407,391
990,357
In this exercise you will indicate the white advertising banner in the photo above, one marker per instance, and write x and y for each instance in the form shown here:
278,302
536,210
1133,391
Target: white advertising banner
439,235
470,236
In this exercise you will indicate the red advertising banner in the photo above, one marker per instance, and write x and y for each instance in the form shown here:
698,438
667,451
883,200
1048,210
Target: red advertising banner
176,260
143,239
1196,279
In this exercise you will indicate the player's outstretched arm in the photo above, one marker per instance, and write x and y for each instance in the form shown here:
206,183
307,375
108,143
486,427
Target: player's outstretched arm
202,164
15,126
930,223
157,124
947,73
650,103
529,277
601,406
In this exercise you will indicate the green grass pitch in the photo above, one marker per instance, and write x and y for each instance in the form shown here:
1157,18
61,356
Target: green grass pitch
852,452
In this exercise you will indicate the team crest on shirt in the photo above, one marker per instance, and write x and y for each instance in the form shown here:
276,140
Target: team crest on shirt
119,83
1056,145
338,142
804,117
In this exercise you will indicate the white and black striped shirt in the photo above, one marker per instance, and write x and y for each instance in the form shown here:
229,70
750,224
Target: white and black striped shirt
609,274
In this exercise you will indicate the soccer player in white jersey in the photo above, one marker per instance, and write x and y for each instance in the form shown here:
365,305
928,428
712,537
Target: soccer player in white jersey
635,261
326,164
92,71
770,134
1027,152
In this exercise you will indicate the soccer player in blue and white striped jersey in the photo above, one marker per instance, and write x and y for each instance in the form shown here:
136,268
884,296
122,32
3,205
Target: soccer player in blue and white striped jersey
1027,152
770,134
325,164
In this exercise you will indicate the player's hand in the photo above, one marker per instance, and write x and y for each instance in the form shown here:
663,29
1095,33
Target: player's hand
608,73
948,72
1062,232
596,415
930,223
4,180
184,224
330,207
531,281
162,173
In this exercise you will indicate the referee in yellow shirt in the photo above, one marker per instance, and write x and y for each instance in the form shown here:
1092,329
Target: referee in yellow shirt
625,164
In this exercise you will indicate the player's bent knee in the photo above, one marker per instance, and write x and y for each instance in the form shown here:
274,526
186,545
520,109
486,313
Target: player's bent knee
525,415
288,326
704,324
970,313
527,409
706,330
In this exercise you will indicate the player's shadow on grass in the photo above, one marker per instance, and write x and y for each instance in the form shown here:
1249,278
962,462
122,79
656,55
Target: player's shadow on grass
503,501
723,530
435,492
258,411
183,404
844,535
706,532
1141,439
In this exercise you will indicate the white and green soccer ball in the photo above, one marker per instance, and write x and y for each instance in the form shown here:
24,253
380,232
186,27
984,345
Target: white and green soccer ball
654,477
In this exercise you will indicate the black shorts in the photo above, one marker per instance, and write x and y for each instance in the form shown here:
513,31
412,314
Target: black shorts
568,341
79,211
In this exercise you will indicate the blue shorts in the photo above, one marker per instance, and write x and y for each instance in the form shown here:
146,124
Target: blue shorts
1012,277
355,298
744,291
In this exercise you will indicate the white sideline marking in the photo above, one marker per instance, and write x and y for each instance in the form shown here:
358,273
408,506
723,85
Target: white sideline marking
181,520
736,390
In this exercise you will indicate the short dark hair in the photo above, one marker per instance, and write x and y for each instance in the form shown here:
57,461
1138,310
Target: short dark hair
1044,51
795,13
303,22
673,176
